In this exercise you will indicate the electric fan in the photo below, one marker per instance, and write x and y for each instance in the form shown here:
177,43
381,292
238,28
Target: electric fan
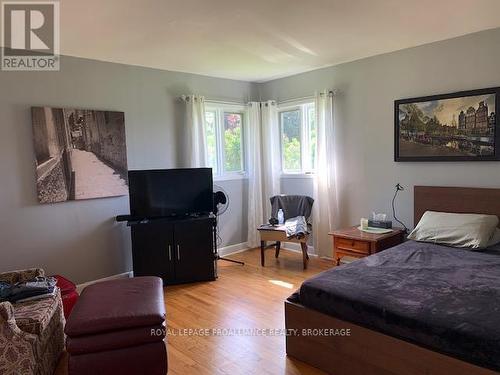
221,204
221,200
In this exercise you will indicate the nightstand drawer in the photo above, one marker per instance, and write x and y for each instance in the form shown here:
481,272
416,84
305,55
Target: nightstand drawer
352,245
355,243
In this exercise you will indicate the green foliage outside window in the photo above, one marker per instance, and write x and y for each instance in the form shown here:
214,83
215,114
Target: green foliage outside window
290,122
232,142
291,154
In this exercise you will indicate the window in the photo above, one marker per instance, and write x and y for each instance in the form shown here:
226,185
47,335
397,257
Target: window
224,132
233,156
298,138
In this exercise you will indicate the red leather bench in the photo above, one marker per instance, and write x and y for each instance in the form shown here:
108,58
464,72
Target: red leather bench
118,327
68,293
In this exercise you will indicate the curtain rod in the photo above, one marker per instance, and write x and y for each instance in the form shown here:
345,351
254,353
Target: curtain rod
216,101
228,102
244,103
224,101
304,98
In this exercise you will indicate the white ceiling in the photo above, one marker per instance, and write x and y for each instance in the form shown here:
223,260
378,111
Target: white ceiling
258,40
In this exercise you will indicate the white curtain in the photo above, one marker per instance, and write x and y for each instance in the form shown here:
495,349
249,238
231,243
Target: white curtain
195,143
263,157
325,212
254,170
271,157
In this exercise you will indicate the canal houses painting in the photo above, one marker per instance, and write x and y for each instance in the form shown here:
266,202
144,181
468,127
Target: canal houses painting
451,127
79,154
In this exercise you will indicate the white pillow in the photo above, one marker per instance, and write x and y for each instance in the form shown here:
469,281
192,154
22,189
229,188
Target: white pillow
458,230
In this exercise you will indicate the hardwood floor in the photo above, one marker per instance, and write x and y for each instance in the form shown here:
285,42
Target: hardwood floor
245,297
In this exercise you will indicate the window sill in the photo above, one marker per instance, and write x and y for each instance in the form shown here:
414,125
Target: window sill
297,175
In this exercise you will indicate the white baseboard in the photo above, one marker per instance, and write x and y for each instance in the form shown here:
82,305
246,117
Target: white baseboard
124,275
240,247
223,251
295,247
232,249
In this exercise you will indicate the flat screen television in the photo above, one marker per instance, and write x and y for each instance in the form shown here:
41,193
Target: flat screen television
170,192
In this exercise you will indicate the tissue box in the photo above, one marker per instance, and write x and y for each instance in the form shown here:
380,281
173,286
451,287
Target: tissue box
386,224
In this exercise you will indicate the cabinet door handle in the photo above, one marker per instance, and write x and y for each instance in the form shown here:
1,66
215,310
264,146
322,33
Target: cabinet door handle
178,252
169,252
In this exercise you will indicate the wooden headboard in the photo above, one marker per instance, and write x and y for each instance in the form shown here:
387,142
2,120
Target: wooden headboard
455,199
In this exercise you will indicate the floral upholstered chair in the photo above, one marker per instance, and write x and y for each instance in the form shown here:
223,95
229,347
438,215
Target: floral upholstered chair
31,333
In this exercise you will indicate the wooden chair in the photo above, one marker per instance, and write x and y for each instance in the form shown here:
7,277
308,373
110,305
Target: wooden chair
278,235
292,206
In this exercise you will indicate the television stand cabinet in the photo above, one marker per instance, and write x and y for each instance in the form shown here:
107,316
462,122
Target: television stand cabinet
179,250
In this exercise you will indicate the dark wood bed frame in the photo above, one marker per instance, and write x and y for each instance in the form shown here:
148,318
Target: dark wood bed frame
368,352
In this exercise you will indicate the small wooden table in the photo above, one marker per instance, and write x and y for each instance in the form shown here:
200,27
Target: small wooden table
278,233
354,243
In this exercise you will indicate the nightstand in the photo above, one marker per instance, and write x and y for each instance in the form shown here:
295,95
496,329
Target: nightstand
352,242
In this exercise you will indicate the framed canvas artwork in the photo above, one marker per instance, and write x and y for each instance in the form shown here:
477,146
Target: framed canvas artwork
79,154
451,127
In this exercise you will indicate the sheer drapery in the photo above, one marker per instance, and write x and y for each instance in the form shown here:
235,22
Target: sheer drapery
194,153
325,210
271,157
254,171
262,142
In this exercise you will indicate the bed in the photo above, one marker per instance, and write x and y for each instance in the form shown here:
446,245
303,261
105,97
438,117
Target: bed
416,308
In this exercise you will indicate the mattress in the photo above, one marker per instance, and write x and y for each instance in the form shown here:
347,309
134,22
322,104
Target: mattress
441,298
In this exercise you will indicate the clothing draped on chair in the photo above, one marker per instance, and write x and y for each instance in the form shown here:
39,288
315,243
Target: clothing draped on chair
194,152
263,157
296,210
325,211
292,205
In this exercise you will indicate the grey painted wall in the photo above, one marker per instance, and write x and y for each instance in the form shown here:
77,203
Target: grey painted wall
233,223
364,118
80,239
297,185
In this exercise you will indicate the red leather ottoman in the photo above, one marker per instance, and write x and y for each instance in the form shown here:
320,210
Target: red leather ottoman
117,327
68,293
